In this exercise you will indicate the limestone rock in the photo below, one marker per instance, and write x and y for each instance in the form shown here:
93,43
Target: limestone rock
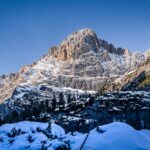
75,45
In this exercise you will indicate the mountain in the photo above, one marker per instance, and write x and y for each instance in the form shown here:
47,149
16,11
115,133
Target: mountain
68,86
81,90
81,62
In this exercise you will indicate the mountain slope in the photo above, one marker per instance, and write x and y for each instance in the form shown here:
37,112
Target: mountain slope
137,79
82,61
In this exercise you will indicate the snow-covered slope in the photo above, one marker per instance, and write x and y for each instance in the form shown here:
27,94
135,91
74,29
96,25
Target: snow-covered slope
35,136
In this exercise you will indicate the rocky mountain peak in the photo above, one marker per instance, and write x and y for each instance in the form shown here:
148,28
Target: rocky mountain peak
85,38
81,42
81,36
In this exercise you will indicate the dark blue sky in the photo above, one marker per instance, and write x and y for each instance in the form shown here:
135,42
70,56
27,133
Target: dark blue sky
29,27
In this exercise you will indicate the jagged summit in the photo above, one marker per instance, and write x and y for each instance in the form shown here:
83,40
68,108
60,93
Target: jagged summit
81,34
81,42
76,44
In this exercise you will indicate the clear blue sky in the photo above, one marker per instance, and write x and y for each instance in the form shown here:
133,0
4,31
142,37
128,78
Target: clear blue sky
29,27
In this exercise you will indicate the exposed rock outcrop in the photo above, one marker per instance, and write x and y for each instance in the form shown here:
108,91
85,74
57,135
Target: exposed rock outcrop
136,80
76,110
75,45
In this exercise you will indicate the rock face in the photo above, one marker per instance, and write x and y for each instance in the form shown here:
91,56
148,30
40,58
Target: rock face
76,44
82,61
74,110
8,84
136,80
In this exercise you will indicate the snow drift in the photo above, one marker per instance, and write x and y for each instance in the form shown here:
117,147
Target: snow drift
36,136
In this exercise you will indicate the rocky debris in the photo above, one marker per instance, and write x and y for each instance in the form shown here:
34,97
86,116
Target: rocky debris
132,108
76,110
135,82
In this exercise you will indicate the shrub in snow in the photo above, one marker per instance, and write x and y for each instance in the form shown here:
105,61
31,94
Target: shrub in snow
53,102
43,147
49,128
1,139
30,139
11,141
14,132
68,144
38,129
100,130
61,99
20,132
63,147
47,131
43,142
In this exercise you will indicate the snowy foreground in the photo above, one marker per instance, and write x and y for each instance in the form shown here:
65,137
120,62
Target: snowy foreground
37,136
